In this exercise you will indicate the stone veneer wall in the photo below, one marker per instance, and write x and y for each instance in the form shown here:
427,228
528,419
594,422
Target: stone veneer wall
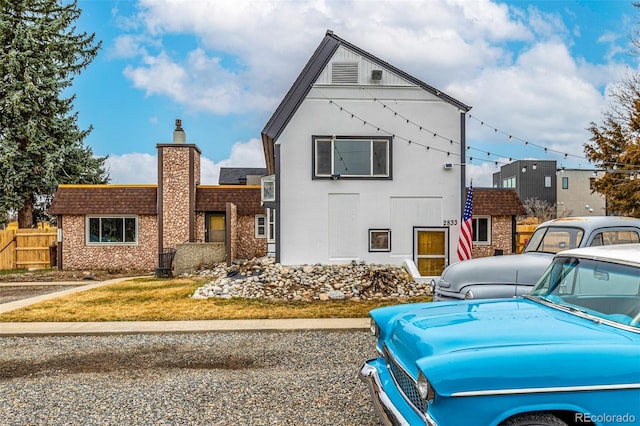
177,192
247,245
501,238
77,254
232,232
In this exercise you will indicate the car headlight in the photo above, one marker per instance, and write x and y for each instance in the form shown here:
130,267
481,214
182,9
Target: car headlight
468,295
375,330
424,388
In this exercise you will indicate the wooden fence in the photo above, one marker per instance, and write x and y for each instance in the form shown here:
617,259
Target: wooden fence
26,248
523,233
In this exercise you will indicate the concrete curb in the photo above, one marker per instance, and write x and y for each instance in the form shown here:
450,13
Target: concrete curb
137,327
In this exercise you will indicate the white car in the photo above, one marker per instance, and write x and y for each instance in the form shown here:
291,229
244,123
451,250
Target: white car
515,275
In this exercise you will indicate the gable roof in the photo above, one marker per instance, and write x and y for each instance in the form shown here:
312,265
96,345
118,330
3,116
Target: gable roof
104,199
314,67
496,202
234,175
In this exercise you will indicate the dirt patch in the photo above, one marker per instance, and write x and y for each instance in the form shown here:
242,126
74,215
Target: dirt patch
144,360
70,275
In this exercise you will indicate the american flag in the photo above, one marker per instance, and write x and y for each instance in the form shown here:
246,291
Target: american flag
465,243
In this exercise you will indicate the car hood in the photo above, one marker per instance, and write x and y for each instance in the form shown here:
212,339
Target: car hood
522,269
508,343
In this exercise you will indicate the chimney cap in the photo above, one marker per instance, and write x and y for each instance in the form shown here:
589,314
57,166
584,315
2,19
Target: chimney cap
178,125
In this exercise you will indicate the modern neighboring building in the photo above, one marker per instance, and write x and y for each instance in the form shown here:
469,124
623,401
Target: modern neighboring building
530,179
569,190
576,196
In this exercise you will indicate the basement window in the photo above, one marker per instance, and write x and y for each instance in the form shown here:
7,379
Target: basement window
112,230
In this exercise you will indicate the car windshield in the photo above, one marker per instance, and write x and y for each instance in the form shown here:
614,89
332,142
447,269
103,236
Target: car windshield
553,239
606,290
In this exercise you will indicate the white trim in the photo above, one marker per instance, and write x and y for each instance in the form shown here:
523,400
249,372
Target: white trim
260,229
489,225
547,390
87,230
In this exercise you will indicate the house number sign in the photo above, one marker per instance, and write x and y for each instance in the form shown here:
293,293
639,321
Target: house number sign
450,222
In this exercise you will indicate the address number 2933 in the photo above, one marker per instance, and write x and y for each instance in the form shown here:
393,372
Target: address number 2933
450,222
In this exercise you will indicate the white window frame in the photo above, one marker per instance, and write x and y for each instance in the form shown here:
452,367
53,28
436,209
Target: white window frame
268,188
261,229
271,225
336,173
90,242
477,242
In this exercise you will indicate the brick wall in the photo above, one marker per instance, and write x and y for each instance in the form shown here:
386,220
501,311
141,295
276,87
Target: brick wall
77,254
501,237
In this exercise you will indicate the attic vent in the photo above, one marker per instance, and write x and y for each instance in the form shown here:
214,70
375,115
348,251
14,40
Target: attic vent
344,72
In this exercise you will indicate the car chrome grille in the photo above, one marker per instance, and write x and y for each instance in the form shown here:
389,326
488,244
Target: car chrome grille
405,383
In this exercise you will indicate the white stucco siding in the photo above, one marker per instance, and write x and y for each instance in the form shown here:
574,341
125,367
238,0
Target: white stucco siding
310,210
418,211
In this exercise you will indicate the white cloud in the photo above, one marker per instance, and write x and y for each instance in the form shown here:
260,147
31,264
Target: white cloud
134,168
512,64
139,168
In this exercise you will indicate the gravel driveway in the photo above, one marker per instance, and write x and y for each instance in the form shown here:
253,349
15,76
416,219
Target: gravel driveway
230,378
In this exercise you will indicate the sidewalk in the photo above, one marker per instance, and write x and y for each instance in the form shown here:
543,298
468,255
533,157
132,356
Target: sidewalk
134,327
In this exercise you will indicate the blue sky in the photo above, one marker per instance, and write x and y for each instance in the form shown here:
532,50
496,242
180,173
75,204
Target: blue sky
536,70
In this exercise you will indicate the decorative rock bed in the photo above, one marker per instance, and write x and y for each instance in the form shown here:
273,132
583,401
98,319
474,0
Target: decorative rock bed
262,278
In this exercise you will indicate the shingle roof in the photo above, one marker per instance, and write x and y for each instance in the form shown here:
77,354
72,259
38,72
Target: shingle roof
104,199
496,202
142,199
233,175
310,73
215,198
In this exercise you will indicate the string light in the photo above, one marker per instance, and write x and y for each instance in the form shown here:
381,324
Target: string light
435,134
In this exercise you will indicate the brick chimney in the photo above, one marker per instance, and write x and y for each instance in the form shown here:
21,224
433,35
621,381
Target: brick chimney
178,176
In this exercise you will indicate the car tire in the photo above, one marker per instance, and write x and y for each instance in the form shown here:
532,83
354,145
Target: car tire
535,419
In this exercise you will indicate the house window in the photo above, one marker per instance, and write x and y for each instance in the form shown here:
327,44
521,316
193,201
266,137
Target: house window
565,182
261,226
112,230
379,240
268,188
481,226
547,181
351,157
509,182
271,225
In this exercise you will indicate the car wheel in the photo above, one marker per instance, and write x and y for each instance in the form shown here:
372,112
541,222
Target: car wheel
536,419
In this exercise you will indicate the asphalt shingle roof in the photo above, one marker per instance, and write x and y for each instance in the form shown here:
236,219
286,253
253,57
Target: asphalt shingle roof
496,202
104,199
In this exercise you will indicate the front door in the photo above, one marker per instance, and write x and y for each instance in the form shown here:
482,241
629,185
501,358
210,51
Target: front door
215,227
431,250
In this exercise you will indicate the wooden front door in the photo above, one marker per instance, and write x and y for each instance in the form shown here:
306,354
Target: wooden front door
215,227
431,250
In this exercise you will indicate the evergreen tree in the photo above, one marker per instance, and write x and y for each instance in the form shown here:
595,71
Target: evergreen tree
41,144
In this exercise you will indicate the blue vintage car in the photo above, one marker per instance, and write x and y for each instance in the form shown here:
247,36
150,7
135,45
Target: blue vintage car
566,354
